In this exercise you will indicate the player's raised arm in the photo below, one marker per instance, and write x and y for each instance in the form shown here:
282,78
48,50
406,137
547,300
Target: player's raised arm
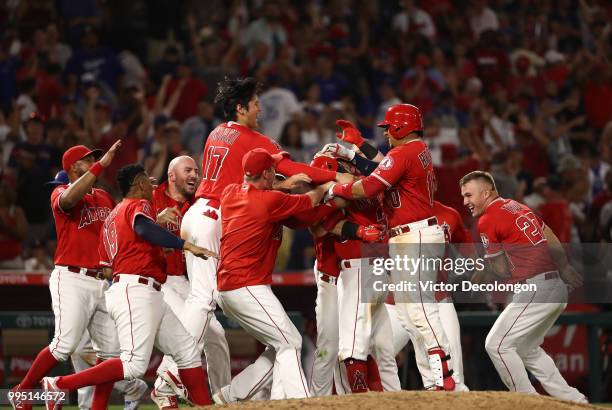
78,162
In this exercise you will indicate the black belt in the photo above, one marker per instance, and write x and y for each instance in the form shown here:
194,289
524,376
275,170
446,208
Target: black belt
92,273
145,281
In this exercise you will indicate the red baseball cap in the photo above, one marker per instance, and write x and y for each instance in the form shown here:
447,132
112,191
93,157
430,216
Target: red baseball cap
258,160
76,153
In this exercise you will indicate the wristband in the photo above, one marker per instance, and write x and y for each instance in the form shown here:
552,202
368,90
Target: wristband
368,150
349,230
96,169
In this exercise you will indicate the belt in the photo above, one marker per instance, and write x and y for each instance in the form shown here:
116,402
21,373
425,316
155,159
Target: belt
414,226
92,273
356,263
328,278
138,279
547,276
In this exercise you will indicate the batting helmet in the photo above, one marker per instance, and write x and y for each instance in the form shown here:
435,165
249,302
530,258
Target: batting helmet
402,119
325,162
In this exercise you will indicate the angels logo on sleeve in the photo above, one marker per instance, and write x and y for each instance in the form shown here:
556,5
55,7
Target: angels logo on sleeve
386,163
485,240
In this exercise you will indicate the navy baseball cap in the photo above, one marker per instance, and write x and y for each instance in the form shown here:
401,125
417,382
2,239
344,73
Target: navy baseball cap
61,178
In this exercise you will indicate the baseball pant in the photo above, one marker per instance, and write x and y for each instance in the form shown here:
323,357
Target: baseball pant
202,226
78,305
513,343
326,355
365,326
144,320
83,358
257,310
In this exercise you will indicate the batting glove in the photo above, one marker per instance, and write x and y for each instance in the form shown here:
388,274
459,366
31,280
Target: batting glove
349,133
339,151
371,233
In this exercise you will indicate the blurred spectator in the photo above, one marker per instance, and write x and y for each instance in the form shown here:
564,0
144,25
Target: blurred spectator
263,37
414,19
196,129
482,18
57,52
331,83
291,141
35,162
190,91
505,168
13,229
101,62
555,210
279,106
388,97
25,100
164,149
39,259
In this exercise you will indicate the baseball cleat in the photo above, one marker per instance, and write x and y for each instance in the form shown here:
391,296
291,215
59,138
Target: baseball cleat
218,398
134,395
49,385
17,403
164,402
175,384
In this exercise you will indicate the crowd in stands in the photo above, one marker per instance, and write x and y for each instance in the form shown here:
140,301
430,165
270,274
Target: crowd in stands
520,88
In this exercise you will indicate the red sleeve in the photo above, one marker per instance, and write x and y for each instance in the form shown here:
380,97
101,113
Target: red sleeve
489,237
55,198
391,168
311,216
281,206
332,220
142,207
318,175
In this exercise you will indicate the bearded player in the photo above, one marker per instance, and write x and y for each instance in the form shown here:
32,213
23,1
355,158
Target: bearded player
171,200
221,166
406,177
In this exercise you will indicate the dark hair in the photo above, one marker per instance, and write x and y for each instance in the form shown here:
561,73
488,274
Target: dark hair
285,141
126,177
234,91
479,175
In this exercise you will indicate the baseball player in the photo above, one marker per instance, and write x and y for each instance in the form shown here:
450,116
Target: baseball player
171,200
252,234
225,147
362,322
84,356
77,284
456,233
131,248
521,249
406,176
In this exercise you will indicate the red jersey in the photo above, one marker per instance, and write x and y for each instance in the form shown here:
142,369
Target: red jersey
456,233
361,212
408,174
252,232
222,157
325,253
175,260
78,229
123,250
510,227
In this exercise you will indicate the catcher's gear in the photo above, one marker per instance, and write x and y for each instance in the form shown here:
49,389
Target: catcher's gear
402,119
349,133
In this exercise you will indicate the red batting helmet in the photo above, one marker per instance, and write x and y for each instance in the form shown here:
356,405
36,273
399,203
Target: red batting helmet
325,162
402,119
